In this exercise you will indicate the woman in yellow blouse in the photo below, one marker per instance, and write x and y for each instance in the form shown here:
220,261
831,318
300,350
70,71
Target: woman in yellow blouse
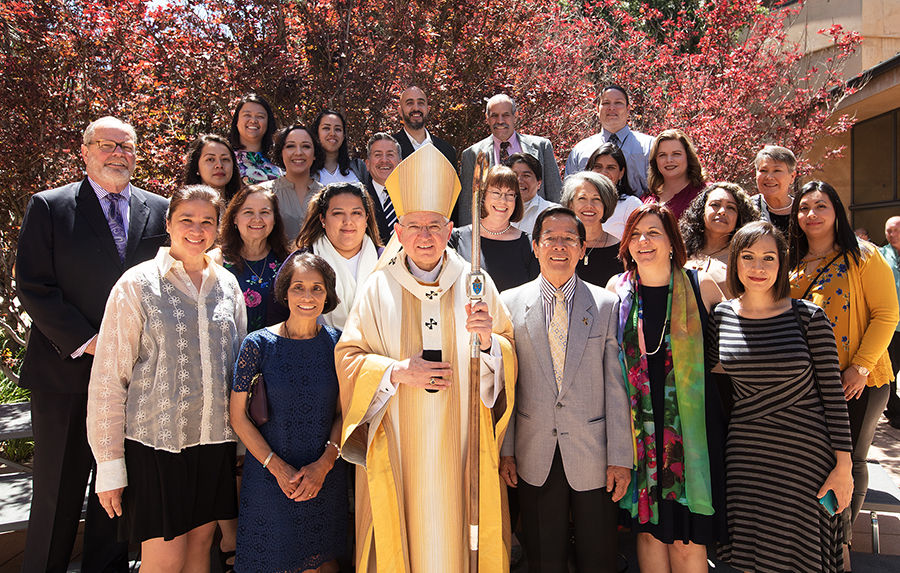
852,282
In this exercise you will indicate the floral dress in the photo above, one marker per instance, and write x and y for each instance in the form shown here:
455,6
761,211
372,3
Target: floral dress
828,286
255,168
257,281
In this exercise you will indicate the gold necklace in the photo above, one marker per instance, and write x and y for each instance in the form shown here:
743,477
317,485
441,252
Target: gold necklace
662,336
714,253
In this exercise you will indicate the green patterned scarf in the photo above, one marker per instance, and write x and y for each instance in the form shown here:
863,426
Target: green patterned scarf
684,462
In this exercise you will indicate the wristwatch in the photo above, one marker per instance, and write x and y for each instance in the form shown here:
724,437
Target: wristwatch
862,369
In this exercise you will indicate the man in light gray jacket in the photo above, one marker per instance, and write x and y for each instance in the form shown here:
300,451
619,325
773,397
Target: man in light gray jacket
501,115
568,448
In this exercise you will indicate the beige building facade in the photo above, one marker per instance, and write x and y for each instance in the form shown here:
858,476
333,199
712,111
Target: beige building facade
868,175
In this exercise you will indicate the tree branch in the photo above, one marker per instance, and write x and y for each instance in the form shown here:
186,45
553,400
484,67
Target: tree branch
10,331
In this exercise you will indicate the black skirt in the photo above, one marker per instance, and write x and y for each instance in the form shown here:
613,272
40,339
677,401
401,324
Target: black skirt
169,494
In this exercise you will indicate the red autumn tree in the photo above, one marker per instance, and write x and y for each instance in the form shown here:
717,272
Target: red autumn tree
723,71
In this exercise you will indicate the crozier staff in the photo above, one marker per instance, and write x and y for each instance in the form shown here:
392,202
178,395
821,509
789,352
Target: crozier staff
411,502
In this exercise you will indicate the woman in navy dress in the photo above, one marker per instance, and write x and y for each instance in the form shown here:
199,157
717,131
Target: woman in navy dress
294,506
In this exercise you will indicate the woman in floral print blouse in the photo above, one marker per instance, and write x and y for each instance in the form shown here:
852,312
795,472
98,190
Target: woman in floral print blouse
253,248
853,284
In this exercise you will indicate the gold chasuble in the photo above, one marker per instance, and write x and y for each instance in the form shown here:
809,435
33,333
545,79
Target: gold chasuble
411,496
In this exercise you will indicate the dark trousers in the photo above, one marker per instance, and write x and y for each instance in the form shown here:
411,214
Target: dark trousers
893,406
62,465
545,514
864,413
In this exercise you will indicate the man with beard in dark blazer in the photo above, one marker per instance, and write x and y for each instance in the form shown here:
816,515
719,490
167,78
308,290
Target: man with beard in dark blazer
414,110
74,244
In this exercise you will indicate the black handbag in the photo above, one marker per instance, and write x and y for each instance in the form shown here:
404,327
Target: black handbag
258,401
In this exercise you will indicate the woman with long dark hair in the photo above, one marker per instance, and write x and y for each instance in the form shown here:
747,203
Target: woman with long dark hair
334,164
253,247
340,227
708,225
253,126
296,151
854,285
210,160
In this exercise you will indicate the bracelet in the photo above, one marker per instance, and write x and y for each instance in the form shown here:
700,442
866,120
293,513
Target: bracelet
268,458
337,447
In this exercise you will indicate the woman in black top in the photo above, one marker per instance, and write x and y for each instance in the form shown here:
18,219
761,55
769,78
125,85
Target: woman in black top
505,251
593,197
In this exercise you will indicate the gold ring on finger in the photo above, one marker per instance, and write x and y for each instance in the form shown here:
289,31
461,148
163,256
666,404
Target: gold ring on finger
431,381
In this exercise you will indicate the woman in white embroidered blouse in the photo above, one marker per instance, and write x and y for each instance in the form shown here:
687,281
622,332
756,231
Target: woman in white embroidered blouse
158,396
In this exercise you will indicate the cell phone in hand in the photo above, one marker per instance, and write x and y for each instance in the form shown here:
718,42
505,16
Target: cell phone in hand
829,502
432,356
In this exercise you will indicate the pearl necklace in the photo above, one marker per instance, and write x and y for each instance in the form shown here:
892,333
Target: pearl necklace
496,233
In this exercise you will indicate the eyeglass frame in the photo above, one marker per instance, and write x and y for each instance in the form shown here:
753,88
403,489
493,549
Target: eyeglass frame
116,144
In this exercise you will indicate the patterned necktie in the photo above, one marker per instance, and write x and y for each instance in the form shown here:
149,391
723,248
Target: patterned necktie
389,215
558,334
117,224
504,151
614,139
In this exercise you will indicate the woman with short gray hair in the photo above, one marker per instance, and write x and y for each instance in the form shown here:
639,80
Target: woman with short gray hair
593,198
775,172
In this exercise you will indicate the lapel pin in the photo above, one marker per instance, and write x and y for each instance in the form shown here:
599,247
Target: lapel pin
584,320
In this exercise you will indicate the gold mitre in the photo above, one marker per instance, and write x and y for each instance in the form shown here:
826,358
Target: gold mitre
424,181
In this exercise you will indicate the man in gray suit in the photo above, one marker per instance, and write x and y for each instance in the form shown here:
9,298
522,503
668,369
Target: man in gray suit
568,447
501,116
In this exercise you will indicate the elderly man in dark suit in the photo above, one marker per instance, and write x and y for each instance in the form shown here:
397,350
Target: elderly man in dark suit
568,449
501,115
382,157
413,109
75,243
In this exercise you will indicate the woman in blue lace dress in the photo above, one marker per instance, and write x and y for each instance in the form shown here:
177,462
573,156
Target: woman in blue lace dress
253,247
294,507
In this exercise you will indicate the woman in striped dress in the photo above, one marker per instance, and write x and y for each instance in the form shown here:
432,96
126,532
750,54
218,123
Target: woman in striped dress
789,437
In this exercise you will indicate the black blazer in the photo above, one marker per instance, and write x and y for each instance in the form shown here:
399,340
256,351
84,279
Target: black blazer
66,264
383,230
406,147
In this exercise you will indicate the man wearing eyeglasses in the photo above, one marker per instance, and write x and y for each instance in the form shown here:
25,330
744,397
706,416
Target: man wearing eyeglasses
74,244
403,364
568,448
502,115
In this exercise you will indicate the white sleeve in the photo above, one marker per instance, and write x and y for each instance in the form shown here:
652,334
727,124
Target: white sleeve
80,350
118,344
492,377
385,390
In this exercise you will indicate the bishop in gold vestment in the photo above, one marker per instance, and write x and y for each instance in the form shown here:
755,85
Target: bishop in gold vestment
411,494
